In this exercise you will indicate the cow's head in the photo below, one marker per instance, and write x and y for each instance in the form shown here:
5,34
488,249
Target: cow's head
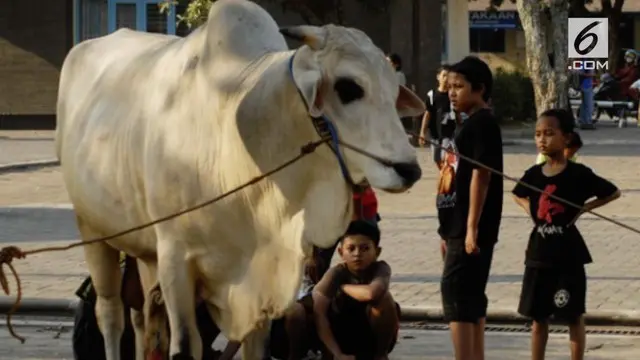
344,76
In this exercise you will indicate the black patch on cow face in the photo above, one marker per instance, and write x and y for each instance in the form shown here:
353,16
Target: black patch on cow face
348,90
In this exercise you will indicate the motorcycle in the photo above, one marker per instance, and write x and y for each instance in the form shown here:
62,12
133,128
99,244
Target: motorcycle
608,89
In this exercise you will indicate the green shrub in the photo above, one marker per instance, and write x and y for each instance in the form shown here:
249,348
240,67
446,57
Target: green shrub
512,98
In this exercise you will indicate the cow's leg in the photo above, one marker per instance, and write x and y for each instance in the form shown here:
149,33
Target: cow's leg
137,321
178,291
103,262
253,344
147,275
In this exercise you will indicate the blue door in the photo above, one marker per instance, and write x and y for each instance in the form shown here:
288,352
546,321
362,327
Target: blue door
142,15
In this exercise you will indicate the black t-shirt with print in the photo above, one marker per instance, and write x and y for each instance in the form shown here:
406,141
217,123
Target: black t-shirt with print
479,139
441,124
446,161
554,240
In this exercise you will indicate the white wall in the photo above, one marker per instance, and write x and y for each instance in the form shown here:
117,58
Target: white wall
457,34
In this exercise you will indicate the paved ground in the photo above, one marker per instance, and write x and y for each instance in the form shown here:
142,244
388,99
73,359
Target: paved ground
16,146
34,212
53,342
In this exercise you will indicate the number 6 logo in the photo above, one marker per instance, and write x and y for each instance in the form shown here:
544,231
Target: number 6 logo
584,35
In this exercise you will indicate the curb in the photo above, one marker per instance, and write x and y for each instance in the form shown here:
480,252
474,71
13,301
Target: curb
39,307
504,316
28,165
66,307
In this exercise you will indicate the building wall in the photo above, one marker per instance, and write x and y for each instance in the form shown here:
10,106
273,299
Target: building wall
513,58
391,31
457,38
35,36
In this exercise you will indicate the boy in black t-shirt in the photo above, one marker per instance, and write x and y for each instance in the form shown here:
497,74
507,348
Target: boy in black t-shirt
471,225
554,279
439,121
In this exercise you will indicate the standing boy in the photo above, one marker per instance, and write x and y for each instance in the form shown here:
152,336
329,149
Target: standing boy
471,228
439,121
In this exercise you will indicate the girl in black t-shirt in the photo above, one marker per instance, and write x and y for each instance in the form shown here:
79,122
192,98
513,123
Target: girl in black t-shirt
554,281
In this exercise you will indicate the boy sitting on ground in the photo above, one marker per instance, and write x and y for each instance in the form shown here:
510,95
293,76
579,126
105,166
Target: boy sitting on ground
355,315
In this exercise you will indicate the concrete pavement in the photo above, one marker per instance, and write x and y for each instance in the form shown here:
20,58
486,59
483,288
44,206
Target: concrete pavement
34,212
53,341
26,146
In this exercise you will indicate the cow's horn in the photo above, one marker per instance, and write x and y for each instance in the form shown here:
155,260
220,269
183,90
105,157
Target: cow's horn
313,36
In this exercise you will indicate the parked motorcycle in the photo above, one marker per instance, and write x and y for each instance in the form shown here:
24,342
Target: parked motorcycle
608,89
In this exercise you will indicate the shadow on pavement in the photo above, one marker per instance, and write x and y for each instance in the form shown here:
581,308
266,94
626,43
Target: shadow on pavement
36,224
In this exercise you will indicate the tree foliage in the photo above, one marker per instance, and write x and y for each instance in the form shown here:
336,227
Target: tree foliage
315,12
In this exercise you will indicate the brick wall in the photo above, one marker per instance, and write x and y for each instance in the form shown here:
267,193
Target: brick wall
35,35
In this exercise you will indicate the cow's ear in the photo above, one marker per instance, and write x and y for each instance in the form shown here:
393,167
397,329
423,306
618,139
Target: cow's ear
307,76
408,103
313,36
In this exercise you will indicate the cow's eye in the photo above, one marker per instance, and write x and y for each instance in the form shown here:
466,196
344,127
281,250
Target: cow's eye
348,90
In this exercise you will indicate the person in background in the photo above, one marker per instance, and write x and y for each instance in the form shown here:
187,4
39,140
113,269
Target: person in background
586,106
627,74
439,121
88,343
634,91
554,282
439,126
570,152
396,61
294,336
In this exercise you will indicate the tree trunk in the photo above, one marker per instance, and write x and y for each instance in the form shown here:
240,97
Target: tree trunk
549,83
614,40
613,12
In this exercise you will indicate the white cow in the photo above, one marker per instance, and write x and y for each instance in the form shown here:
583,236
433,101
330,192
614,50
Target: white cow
150,124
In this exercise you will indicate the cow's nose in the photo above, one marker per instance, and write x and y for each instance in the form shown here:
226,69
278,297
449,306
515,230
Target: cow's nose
409,172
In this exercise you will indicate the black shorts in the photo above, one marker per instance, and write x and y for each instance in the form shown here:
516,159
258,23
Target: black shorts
553,292
352,329
349,324
464,281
